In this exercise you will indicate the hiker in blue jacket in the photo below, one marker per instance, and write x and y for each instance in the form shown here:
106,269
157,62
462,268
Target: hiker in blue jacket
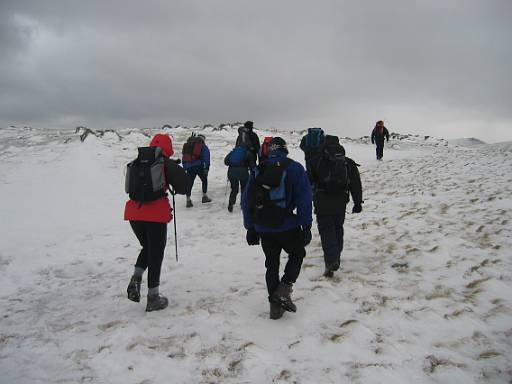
240,161
289,217
197,165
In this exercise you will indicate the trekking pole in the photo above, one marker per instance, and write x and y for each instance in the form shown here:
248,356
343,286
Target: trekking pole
225,194
175,231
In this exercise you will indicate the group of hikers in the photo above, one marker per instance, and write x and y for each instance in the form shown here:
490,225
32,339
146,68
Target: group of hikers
277,197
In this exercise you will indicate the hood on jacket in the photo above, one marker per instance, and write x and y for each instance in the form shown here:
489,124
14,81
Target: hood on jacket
164,142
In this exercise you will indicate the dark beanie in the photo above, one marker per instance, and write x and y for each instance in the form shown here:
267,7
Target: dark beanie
277,143
249,124
331,139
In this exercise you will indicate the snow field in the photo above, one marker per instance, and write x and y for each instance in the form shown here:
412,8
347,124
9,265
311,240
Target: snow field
423,294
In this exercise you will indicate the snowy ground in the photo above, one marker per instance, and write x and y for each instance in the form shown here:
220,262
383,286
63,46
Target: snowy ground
424,295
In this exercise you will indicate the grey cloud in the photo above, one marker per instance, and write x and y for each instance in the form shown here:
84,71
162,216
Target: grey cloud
282,63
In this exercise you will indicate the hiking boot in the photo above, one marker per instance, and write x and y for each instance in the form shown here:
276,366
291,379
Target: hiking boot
330,268
230,207
276,311
133,289
189,203
282,295
328,272
206,199
156,303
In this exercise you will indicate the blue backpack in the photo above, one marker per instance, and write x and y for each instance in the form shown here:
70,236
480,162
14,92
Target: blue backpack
237,157
314,138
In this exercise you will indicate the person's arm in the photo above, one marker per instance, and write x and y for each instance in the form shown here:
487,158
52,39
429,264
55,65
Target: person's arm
226,159
303,144
205,157
248,223
302,195
255,142
355,186
387,134
176,177
373,136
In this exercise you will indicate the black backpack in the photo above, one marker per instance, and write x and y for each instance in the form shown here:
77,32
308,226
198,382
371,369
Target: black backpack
267,196
332,171
145,176
244,137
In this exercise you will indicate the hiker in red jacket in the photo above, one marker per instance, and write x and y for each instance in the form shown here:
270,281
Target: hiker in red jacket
148,220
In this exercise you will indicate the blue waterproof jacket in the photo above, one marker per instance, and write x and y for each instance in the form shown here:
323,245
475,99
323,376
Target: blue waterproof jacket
298,197
203,161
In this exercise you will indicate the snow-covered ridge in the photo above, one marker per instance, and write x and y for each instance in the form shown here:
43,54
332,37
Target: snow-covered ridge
18,135
423,295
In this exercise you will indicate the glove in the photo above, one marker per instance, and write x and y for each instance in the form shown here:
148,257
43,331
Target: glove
306,232
177,161
357,208
252,237
205,171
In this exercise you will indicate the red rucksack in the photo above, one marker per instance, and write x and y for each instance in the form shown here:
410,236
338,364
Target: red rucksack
263,154
192,149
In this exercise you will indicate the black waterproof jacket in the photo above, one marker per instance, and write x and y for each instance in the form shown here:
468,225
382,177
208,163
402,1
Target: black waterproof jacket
335,204
378,137
255,141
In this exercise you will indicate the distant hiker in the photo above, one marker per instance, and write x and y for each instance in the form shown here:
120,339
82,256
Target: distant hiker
263,152
333,175
149,211
240,161
277,209
196,161
379,133
310,145
247,137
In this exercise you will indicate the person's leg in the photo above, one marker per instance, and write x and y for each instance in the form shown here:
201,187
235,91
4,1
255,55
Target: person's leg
133,289
380,150
157,239
338,223
234,191
140,231
328,237
293,245
204,180
272,251
191,174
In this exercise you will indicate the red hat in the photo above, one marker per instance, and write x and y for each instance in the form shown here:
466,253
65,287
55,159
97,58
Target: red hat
164,142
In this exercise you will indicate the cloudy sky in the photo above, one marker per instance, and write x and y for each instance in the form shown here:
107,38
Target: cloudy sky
435,67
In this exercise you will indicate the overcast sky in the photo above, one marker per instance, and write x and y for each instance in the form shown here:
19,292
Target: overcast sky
434,67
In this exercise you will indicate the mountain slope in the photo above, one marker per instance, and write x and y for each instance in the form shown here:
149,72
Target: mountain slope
423,295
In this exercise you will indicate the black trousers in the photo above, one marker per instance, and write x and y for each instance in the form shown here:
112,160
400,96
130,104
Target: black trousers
237,177
292,242
152,237
379,150
330,228
192,173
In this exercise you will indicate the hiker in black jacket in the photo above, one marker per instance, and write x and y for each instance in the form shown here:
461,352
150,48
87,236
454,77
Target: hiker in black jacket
379,133
333,176
249,138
